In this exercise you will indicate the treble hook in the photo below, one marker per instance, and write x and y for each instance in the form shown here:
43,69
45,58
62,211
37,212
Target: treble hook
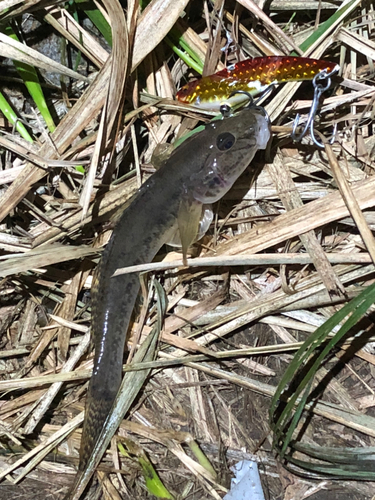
319,89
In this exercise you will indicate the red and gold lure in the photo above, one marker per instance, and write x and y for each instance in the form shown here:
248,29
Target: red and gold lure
253,76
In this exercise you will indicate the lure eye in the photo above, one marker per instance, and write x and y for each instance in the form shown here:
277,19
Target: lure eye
225,141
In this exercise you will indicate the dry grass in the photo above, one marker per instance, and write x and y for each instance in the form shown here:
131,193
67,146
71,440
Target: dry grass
231,324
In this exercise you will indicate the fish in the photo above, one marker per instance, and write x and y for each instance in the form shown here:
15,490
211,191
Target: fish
198,172
253,76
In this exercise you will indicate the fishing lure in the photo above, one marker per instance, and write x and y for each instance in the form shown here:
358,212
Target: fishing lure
253,76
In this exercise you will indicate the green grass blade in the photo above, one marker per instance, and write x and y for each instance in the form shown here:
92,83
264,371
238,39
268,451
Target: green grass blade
285,424
74,12
326,25
198,67
175,38
319,336
97,19
296,418
31,80
153,481
346,471
201,457
338,455
347,463
11,116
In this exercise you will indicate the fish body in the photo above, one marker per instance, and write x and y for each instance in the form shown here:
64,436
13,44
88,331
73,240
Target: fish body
201,170
253,76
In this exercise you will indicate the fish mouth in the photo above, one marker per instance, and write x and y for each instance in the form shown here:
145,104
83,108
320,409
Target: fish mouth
262,112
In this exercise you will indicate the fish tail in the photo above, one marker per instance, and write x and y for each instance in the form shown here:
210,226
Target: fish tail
97,409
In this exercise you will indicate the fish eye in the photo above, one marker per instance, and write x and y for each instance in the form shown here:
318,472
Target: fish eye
225,141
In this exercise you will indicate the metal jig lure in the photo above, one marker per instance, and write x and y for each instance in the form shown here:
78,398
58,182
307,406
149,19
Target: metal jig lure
258,76
251,75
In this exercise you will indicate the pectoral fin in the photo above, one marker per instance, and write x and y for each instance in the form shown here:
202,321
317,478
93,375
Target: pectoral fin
189,216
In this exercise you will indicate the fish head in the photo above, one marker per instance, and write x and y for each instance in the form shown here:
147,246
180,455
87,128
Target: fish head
231,144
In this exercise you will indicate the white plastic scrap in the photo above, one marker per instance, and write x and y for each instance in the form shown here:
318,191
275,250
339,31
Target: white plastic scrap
246,485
